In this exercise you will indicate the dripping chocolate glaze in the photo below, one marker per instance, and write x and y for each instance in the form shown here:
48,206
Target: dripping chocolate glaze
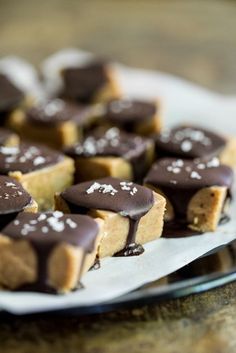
13,199
10,95
45,231
115,143
126,198
57,111
126,113
180,179
188,141
82,83
27,158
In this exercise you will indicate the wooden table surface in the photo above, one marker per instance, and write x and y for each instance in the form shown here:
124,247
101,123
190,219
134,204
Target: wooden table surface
193,39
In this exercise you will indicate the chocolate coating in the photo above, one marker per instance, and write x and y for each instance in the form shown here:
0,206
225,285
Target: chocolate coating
27,158
126,198
181,179
10,95
55,112
13,199
188,141
113,142
126,113
82,83
45,231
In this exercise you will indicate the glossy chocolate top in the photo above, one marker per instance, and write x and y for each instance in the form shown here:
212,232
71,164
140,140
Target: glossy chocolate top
124,112
112,143
55,112
189,142
26,158
180,179
82,83
4,135
111,194
49,229
10,95
13,198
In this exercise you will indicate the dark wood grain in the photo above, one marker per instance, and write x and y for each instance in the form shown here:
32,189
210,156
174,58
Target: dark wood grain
192,38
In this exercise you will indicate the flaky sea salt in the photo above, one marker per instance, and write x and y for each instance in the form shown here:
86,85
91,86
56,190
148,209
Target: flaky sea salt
103,188
186,146
71,223
195,175
39,160
213,163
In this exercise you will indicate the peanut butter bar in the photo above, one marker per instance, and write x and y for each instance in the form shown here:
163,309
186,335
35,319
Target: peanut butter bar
44,251
136,116
10,97
40,170
13,199
94,82
113,153
196,191
187,141
132,214
56,123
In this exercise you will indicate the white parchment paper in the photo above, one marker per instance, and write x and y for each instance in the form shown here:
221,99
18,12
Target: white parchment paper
182,102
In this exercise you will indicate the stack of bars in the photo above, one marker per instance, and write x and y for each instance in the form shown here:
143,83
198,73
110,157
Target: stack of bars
89,173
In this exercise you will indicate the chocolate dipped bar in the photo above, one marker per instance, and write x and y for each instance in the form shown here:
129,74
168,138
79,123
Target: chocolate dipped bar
113,153
186,141
13,199
56,123
127,209
39,169
47,251
137,116
196,190
91,82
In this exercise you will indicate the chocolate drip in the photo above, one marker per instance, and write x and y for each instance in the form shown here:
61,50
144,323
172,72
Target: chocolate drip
57,111
126,113
174,229
27,158
83,83
186,141
115,143
126,198
46,231
10,95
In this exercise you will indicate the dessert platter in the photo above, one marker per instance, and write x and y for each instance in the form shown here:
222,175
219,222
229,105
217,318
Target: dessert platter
116,186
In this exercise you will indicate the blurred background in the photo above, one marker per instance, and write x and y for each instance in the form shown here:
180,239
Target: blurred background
194,39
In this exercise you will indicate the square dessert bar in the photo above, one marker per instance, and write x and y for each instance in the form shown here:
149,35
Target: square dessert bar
47,251
113,153
136,116
8,138
10,97
40,170
132,214
56,123
95,81
13,200
196,191
188,141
